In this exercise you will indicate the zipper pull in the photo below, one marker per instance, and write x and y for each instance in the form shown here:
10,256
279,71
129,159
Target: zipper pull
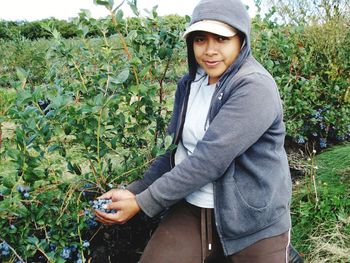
220,96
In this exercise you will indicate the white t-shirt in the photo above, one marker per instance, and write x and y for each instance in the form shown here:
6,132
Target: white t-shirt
194,128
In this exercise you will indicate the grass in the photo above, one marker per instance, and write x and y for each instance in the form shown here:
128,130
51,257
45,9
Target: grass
321,207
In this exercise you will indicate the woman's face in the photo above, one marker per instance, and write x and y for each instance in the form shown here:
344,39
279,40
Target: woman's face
215,53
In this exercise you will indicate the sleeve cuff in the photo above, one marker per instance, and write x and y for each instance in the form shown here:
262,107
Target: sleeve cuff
136,187
148,204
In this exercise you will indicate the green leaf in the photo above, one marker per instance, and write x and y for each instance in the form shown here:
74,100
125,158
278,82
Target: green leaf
119,15
168,141
74,168
21,74
31,139
53,148
9,178
143,89
56,34
33,240
133,6
23,96
108,4
134,89
40,213
121,77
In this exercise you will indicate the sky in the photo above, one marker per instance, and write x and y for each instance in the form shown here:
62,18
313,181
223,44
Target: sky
32,10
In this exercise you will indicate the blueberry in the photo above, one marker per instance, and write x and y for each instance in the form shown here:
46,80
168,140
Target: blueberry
86,244
4,248
323,142
300,140
73,248
87,186
20,188
52,247
66,253
87,212
99,204
91,223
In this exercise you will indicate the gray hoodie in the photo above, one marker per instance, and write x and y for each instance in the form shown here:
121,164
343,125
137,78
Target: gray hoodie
242,151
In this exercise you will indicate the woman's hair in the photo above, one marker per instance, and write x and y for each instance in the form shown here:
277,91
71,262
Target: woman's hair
192,63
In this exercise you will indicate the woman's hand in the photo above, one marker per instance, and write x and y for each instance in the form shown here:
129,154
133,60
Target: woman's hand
117,195
124,202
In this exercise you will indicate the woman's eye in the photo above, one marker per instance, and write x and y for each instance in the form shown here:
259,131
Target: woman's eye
199,39
221,38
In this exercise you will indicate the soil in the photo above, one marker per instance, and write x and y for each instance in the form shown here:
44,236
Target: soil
122,243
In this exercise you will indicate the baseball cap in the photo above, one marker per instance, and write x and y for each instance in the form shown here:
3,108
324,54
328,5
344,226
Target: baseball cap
211,26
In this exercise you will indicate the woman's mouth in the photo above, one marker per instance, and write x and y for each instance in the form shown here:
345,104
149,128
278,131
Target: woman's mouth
210,63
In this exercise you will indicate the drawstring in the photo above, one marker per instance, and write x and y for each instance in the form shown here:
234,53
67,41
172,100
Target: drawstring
206,232
203,235
209,229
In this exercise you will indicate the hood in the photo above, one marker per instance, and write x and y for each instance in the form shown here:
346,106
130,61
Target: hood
231,12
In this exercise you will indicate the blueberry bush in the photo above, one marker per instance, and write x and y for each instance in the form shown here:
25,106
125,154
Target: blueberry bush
94,122
311,66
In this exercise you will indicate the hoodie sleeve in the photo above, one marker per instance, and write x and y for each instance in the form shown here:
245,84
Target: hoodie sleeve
162,163
246,115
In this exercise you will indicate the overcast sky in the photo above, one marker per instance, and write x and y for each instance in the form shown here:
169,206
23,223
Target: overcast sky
31,10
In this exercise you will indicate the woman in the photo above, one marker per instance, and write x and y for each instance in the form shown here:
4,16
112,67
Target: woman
227,184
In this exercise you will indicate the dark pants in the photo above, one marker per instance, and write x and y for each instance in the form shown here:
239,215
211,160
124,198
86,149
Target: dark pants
178,239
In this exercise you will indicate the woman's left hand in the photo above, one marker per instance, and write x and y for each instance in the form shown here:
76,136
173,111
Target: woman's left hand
126,209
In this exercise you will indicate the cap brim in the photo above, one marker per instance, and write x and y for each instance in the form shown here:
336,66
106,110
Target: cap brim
211,26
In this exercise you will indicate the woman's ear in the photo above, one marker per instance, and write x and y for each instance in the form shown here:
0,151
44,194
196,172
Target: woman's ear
241,38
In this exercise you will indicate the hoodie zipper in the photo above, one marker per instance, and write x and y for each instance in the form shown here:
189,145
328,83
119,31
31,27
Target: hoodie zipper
208,119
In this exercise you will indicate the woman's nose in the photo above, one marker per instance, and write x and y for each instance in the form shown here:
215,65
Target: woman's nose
211,47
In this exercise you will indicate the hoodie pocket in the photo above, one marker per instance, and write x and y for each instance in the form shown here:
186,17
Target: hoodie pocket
240,218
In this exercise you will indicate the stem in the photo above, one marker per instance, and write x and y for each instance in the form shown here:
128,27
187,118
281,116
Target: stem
93,236
125,47
134,169
79,233
80,75
0,135
98,142
161,96
95,175
314,180
164,73
108,66
66,201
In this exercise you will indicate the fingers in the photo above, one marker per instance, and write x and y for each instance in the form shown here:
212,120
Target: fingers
107,195
117,195
108,219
